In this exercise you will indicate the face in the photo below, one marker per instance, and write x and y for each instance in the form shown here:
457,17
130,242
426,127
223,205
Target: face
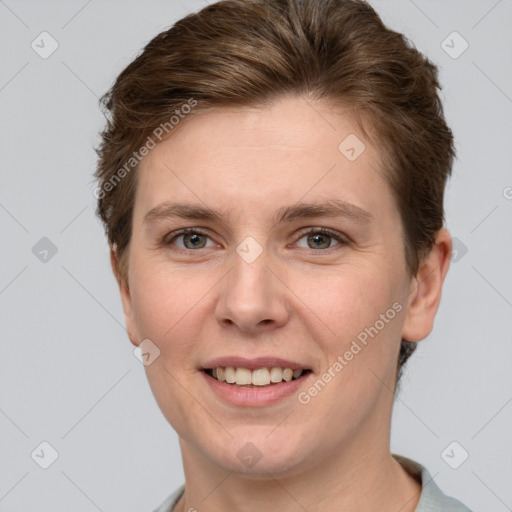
293,258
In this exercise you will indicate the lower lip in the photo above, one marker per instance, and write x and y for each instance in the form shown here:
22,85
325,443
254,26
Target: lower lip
254,396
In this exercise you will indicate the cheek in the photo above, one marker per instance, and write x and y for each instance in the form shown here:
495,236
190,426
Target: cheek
348,299
363,309
356,303
170,305
164,303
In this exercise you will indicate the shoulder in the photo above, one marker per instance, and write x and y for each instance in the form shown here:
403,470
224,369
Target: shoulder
169,503
432,499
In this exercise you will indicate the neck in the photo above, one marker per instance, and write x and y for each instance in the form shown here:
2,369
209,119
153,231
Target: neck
372,482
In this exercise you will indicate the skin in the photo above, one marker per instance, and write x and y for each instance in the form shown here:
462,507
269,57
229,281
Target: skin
295,301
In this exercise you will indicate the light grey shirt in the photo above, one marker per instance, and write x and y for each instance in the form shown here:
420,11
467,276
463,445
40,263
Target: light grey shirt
432,499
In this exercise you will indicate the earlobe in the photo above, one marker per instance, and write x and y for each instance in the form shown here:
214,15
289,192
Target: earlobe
126,299
426,288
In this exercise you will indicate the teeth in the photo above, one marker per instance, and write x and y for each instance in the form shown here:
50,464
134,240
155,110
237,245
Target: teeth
287,374
261,377
276,374
258,377
229,375
243,376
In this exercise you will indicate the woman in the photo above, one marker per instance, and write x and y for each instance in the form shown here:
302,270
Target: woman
271,181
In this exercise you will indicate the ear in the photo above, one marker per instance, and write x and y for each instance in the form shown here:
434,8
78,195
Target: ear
126,299
426,287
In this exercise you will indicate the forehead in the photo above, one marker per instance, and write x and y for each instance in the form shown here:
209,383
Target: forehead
288,151
288,124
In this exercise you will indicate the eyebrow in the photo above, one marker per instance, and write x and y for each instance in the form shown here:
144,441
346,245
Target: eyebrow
301,210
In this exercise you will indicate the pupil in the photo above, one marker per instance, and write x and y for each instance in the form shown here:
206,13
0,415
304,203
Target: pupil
194,239
320,240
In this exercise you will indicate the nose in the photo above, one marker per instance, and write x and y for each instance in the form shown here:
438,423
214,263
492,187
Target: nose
253,296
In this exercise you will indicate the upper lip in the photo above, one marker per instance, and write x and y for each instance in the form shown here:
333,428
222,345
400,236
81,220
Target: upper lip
254,363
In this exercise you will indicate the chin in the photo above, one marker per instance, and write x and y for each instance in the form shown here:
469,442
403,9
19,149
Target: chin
260,452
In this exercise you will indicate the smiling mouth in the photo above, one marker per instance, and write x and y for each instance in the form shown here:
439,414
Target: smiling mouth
259,377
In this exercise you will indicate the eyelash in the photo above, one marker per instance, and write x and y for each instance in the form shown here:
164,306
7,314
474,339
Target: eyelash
167,242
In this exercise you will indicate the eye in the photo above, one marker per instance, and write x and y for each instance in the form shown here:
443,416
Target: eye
190,239
321,238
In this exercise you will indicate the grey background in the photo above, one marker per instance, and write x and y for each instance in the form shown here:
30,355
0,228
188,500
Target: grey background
68,375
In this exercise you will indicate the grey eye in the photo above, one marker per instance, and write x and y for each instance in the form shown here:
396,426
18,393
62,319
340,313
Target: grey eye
318,240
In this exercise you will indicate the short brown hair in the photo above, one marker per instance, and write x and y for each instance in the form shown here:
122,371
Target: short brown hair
250,52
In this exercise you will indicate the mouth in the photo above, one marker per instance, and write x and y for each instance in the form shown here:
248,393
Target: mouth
255,378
